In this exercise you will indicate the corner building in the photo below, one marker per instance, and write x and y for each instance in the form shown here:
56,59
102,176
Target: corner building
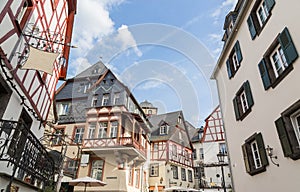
257,74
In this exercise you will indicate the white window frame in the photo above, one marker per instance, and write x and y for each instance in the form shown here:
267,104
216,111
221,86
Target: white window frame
58,136
201,153
64,108
163,129
255,154
222,148
154,170
262,13
105,99
102,132
78,136
296,124
91,131
94,101
278,57
86,87
244,101
97,168
113,129
174,150
235,61
116,98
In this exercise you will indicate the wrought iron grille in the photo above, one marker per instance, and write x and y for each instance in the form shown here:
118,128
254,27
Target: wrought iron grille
21,149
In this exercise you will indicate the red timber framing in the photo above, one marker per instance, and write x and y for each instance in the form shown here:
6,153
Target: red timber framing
129,134
36,22
213,130
164,150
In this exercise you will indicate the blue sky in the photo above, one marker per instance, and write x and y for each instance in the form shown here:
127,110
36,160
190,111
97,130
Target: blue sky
163,50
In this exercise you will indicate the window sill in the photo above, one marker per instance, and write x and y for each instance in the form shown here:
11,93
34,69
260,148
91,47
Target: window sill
282,76
244,115
257,171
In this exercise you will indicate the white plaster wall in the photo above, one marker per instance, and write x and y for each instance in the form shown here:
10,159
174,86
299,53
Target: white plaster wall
267,104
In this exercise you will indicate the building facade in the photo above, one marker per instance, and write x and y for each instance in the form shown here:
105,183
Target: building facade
101,117
171,163
208,142
28,27
256,74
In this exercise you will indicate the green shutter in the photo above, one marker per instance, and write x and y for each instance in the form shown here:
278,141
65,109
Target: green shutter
247,89
261,149
288,46
270,4
246,158
264,74
283,137
251,27
229,68
237,49
236,108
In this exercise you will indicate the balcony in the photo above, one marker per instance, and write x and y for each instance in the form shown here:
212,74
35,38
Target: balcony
108,144
24,153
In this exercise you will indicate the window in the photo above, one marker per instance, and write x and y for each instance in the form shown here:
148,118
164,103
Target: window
278,59
174,150
194,154
105,99
97,169
179,120
86,87
243,101
154,170
234,61
113,129
183,174
201,153
262,13
91,131
150,112
163,129
180,135
57,137
64,108
174,171
102,130
254,154
259,16
79,131
117,98
222,148
94,101
288,131
190,175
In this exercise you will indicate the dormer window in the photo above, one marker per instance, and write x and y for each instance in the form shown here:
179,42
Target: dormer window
230,27
163,130
179,120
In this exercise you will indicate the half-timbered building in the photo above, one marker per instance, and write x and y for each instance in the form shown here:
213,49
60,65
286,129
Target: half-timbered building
208,142
100,115
171,164
35,38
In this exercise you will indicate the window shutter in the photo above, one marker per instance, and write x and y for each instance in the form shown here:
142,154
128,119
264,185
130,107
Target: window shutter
248,93
236,108
251,27
292,137
238,51
246,158
283,137
264,74
288,46
262,150
270,4
228,69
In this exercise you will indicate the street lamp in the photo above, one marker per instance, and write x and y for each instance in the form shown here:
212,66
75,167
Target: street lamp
221,156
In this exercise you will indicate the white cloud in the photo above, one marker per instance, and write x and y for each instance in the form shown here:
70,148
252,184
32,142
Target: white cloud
226,4
150,85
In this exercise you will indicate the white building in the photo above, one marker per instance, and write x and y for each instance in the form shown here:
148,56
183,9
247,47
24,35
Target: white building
257,74
27,29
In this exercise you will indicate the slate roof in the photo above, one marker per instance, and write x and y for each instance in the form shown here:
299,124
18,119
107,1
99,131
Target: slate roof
70,88
173,133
